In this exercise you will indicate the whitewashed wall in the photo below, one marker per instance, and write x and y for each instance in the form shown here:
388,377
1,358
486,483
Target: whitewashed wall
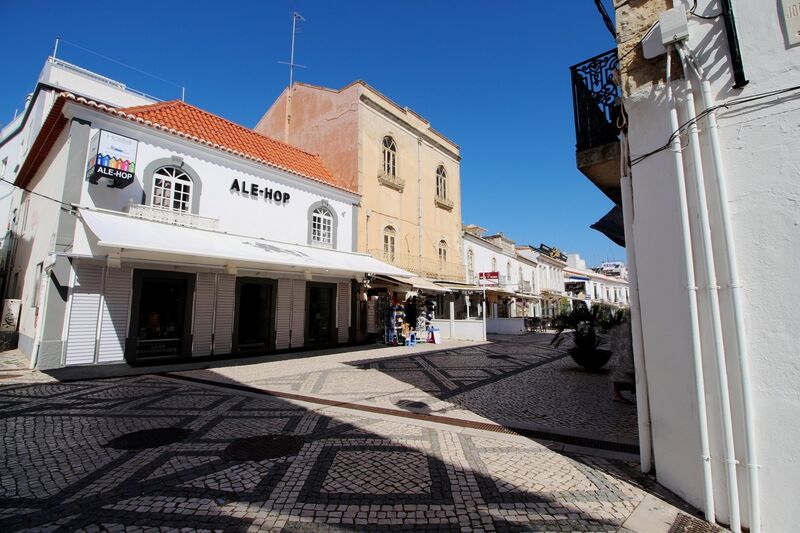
760,146
237,212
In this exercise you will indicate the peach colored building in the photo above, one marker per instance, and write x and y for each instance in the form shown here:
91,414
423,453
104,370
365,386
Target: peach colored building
407,173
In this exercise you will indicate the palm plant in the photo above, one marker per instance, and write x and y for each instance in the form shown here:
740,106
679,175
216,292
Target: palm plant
587,327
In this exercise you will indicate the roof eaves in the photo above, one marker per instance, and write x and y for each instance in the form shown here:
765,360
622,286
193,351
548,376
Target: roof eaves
199,140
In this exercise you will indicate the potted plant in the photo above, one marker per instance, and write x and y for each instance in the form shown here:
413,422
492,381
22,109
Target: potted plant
587,327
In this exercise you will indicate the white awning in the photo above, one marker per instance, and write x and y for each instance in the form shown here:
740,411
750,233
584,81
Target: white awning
139,238
420,283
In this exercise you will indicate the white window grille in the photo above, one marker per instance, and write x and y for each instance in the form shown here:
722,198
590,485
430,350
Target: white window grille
441,182
389,235
389,157
172,189
322,227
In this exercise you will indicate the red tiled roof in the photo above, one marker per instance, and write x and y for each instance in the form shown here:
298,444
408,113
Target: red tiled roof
202,126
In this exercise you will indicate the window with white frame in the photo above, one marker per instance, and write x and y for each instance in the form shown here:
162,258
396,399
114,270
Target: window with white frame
322,227
389,157
172,189
519,281
508,273
494,264
441,182
389,236
470,265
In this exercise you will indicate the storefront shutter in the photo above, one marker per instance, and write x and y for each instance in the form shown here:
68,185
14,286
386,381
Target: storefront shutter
226,298
298,312
283,318
343,311
114,317
203,329
84,310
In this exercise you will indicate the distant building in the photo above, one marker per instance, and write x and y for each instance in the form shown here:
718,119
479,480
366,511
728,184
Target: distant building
594,286
407,173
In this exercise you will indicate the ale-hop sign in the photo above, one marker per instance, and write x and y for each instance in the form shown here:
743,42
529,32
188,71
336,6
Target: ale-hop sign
112,156
256,191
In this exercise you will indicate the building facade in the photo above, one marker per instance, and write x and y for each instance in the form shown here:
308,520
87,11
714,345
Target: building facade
708,182
162,232
407,173
596,286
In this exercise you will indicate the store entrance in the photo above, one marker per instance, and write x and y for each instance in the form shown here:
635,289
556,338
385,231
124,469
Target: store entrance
254,321
321,315
160,315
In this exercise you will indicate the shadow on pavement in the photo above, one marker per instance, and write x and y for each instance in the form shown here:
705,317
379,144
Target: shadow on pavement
63,469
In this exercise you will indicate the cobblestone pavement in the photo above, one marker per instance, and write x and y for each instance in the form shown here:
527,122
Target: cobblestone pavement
517,381
63,467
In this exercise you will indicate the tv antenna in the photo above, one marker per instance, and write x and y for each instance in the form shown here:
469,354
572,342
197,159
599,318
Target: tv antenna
295,17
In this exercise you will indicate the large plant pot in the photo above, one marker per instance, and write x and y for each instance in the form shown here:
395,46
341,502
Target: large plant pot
590,360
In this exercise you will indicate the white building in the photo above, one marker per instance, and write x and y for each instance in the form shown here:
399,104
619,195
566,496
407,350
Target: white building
711,220
163,232
592,286
508,276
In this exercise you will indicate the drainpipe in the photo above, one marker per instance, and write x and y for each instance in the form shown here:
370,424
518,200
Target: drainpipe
739,79
751,453
642,393
419,196
713,301
700,390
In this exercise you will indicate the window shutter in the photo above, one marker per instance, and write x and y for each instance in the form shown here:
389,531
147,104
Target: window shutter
84,311
203,328
226,298
298,312
114,315
283,319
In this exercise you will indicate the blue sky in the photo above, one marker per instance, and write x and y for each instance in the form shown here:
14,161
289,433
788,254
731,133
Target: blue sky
491,76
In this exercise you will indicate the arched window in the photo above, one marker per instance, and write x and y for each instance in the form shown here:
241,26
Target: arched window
389,157
322,227
470,265
389,235
442,251
172,189
441,182
519,281
508,273
494,264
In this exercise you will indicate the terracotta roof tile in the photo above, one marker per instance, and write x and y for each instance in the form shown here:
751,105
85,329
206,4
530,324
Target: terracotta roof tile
219,132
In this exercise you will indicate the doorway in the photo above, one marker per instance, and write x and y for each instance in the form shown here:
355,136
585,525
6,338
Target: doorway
321,313
254,319
160,316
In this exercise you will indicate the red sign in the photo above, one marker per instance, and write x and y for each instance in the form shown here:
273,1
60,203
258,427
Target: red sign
488,278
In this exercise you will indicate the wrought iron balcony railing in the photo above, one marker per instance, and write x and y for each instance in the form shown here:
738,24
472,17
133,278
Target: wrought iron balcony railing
422,266
595,95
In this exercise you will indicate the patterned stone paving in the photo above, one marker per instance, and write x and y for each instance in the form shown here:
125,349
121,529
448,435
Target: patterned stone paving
532,386
355,472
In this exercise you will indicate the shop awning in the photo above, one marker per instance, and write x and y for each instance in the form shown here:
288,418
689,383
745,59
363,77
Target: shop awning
527,296
454,286
419,283
145,239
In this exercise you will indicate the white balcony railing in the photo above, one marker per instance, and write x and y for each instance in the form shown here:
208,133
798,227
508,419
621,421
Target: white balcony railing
168,216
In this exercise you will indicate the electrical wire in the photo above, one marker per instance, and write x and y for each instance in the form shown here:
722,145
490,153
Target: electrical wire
641,40
606,19
64,205
731,103
706,17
